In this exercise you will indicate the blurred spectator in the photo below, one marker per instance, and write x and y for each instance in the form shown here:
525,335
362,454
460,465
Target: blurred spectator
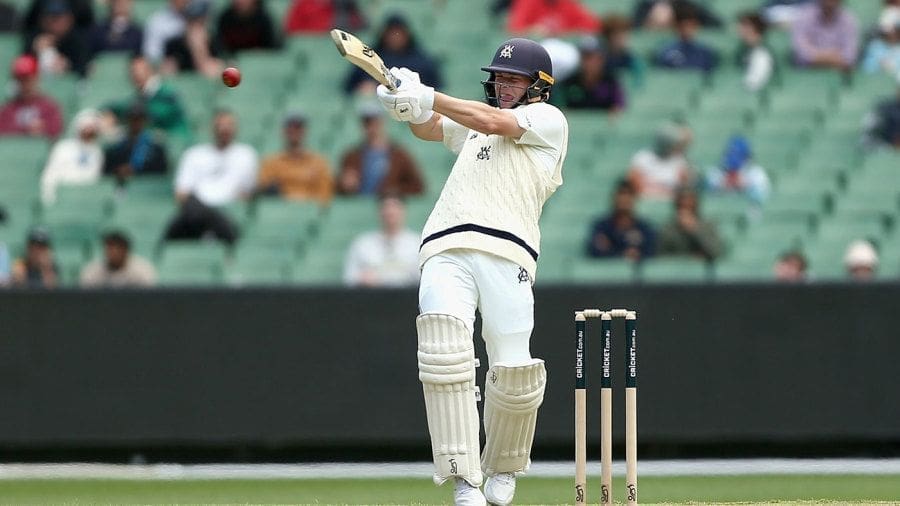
377,165
245,24
29,112
564,57
297,173
5,266
825,34
37,269
883,123
119,267
593,86
138,152
163,105
662,14
791,267
861,260
737,172
163,25
83,10
782,13
688,233
74,161
386,257
398,48
883,52
619,56
657,172
118,32
209,176
320,16
547,18
686,53
753,55
9,22
622,233
195,50
59,45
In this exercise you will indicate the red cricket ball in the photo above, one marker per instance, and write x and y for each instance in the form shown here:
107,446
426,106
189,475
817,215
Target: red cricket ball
231,77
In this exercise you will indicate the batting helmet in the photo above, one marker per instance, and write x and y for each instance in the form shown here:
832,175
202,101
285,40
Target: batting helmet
523,57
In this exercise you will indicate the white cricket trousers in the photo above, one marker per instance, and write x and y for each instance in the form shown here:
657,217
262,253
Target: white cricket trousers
457,282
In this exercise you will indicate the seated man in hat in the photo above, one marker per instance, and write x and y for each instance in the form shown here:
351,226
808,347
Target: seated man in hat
76,160
119,267
378,165
29,112
296,173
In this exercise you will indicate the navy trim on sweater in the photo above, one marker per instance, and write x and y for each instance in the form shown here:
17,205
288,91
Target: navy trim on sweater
493,232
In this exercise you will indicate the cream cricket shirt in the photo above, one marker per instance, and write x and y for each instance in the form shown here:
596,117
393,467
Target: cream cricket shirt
493,198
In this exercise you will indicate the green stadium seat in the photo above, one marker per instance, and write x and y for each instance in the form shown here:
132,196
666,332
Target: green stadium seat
847,227
673,269
93,202
886,202
72,234
555,264
725,206
64,89
593,271
192,263
806,202
255,265
287,225
145,8
747,270
323,266
110,67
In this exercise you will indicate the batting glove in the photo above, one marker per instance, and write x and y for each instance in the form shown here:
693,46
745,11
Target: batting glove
406,104
421,97
388,100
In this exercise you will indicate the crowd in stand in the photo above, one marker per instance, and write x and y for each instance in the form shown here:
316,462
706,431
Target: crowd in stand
132,137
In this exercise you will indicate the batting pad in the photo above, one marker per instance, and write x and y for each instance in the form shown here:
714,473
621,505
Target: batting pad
447,372
511,400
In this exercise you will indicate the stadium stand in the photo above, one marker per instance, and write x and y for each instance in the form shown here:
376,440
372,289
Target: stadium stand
805,129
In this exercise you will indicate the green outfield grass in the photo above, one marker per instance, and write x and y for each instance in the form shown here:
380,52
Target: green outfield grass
781,489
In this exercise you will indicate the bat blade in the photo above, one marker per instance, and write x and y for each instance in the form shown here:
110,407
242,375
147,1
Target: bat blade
364,57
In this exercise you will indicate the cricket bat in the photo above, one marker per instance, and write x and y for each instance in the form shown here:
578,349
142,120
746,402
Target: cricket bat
364,57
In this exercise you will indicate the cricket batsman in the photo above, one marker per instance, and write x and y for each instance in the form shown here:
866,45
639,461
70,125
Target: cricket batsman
479,251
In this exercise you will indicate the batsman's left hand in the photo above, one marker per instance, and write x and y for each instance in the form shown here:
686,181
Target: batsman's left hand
388,100
412,104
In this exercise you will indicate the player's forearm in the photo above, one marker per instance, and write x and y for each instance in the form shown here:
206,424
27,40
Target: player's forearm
431,130
477,116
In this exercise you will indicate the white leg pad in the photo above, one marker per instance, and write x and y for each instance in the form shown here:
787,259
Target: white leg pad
447,372
512,398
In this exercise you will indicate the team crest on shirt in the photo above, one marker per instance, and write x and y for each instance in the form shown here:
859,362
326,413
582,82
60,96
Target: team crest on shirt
484,154
523,276
506,52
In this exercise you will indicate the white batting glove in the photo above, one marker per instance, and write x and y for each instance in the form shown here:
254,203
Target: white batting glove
388,100
420,97
406,104
406,76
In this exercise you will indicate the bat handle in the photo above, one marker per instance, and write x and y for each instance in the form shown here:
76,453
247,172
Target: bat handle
395,84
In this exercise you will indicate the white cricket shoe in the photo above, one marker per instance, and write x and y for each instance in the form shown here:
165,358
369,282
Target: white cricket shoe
500,489
467,495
